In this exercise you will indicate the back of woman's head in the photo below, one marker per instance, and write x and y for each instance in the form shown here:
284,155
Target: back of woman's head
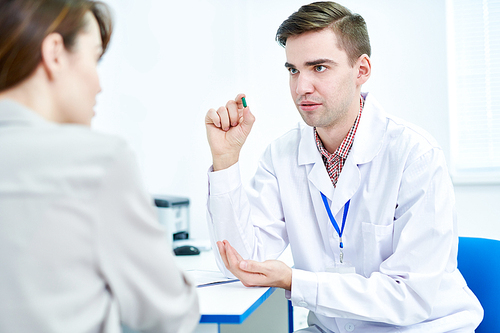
24,24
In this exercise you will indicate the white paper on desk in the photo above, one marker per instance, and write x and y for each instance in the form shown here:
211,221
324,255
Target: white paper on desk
203,278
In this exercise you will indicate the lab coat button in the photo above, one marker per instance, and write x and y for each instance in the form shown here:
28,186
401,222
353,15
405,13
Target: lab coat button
302,304
349,327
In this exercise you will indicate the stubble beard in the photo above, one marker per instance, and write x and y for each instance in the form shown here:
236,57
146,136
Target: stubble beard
327,118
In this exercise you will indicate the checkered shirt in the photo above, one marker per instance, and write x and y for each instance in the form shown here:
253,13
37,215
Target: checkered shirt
334,162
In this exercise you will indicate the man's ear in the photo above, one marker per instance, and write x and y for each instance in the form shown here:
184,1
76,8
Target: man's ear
53,53
364,66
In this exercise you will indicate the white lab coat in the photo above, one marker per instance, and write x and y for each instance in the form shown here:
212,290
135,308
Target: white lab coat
400,233
81,248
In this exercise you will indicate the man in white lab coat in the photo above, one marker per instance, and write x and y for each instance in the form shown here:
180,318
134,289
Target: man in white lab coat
363,199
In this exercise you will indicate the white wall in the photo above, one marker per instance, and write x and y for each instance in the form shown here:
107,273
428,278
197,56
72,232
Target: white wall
169,62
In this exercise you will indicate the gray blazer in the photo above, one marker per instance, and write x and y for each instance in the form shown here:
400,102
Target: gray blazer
80,245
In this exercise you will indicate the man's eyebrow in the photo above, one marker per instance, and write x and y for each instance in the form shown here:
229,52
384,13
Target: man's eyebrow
313,63
319,62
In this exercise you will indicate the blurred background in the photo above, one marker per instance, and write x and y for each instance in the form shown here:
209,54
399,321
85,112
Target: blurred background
171,61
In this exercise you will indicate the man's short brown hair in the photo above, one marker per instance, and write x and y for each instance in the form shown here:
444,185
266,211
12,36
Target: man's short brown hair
349,28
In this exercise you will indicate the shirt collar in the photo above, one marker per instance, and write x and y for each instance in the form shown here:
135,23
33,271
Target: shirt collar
343,150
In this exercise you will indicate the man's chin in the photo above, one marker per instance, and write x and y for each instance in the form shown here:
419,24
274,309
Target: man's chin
308,120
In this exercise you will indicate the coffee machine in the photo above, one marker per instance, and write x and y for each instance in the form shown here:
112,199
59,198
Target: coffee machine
173,213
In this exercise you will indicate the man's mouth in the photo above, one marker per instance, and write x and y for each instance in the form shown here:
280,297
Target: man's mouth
309,105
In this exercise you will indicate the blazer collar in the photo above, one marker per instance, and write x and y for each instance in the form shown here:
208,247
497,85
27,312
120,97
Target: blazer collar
14,113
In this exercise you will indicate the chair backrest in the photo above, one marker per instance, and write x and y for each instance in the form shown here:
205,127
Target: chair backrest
479,263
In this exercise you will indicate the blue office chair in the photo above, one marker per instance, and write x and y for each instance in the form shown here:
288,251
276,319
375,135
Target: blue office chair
479,263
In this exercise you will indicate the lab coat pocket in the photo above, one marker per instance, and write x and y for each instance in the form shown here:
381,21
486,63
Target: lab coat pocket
377,245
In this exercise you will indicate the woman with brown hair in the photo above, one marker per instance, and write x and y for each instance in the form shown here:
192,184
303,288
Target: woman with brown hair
80,246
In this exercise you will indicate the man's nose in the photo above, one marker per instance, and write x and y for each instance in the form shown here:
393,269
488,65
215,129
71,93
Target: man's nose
304,85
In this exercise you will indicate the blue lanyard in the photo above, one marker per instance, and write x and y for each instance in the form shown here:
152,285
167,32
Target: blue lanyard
340,231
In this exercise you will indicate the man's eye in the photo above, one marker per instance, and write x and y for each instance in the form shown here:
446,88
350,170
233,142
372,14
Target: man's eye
320,68
293,70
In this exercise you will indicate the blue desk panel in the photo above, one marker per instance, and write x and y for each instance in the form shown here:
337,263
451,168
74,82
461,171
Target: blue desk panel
235,319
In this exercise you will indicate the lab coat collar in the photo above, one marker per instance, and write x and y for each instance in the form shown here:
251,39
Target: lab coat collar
319,180
310,157
370,133
367,144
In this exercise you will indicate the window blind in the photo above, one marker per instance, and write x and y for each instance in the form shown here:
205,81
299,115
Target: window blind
474,86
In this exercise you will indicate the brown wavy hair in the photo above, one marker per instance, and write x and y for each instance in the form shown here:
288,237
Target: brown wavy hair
349,28
24,24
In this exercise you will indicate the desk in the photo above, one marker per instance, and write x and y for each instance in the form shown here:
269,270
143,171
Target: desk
234,308
223,306
218,306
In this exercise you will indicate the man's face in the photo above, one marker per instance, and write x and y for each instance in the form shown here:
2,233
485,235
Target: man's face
322,82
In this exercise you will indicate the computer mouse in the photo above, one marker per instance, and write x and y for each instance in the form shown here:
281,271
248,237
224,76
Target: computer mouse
186,250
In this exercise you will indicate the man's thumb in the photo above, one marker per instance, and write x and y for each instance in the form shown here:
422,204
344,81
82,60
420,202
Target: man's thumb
249,266
248,120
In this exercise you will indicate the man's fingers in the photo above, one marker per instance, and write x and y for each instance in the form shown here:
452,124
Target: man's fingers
232,110
224,118
251,273
233,257
270,273
212,117
232,249
247,120
238,99
223,254
239,102
232,115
